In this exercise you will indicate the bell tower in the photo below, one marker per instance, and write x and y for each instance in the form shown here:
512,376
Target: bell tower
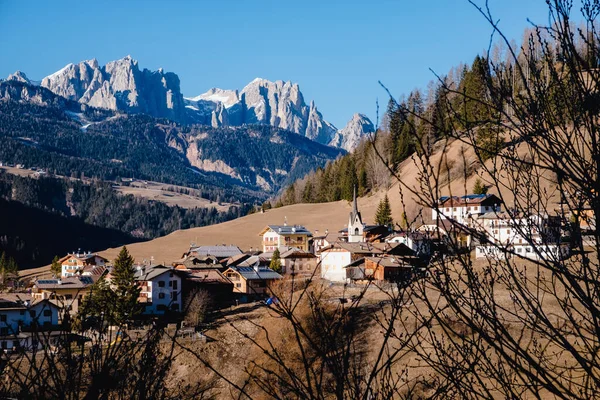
355,224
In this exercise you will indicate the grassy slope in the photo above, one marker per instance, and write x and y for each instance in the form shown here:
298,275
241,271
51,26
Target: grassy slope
244,231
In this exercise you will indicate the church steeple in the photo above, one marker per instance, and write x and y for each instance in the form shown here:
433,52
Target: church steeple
355,224
354,203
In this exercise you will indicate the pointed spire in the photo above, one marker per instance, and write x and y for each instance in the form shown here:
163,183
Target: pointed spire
354,204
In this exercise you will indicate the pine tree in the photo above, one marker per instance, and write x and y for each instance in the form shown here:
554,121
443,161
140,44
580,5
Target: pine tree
125,287
384,213
56,268
479,187
100,303
275,264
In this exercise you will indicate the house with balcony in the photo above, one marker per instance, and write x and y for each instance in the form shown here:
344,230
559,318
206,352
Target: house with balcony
285,236
160,289
68,293
533,236
75,263
462,209
27,323
251,281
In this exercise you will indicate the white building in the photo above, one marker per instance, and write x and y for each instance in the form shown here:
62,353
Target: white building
333,260
26,323
336,258
418,242
74,263
160,289
355,225
534,236
285,236
463,209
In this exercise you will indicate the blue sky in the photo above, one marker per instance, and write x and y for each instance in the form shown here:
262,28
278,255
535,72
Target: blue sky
337,50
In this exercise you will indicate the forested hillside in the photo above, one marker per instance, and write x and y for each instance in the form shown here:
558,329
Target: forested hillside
458,101
60,206
242,164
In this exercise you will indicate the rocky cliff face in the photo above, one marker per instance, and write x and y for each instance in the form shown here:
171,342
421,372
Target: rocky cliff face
20,77
279,104
357,129
120,85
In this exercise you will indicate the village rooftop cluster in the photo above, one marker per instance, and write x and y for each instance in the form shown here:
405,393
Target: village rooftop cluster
358,253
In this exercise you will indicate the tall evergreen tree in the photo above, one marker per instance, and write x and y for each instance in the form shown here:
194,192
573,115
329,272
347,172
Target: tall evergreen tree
56,268
125,287
384,213
275,264
479,187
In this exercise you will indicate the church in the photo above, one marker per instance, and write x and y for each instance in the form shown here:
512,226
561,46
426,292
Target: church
359,232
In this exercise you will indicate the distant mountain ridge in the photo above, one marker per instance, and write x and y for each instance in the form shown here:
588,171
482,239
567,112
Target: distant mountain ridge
122,86
40,128
279,104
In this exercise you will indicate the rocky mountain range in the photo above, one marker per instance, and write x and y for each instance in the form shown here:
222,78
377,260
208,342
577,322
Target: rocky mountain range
122,86
42,129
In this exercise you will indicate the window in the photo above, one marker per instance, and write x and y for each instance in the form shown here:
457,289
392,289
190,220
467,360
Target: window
161,283
47,313
4,331
32,313
22,312
161,295
174,285
238,285
174,296
3,318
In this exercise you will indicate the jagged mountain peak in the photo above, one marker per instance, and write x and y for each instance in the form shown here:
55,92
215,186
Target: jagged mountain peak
120,85
19,76
355,131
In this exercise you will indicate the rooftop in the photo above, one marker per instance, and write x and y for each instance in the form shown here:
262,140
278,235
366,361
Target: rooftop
147,273
288,230
71,282
220,251
249,273
469,199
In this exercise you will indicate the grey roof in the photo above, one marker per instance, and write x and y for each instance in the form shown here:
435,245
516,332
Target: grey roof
71,282
290,229
217,251
150,272
19,301
249,273
415,235
294,252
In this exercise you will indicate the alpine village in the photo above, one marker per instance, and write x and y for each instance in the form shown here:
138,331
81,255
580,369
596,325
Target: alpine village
236,244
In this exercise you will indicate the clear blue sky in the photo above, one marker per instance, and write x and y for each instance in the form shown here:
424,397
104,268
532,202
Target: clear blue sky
336,50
